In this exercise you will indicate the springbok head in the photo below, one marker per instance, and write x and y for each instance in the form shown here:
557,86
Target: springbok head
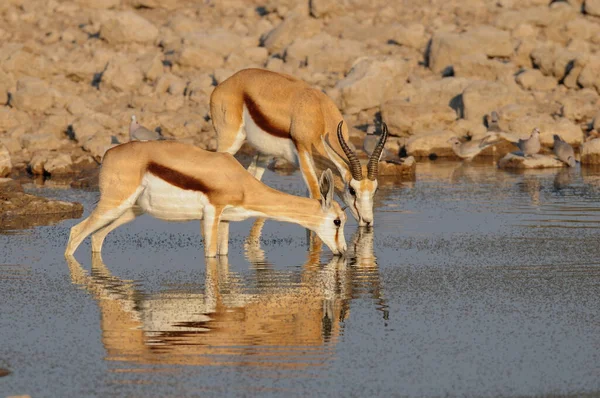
359,185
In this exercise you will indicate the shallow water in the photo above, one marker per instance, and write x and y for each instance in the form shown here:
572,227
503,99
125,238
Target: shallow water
475,281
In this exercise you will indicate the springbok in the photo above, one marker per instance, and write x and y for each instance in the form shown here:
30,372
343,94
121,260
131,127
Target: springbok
283,116
178,182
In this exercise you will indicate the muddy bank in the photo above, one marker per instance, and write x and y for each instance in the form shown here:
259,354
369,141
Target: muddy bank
20,210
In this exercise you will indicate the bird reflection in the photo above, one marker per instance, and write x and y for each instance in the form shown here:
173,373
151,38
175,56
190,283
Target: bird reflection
563,179
230,320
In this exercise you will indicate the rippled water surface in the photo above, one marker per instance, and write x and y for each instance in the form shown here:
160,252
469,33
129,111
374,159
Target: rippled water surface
474,282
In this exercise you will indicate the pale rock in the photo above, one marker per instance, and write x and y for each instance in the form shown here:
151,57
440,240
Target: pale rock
592,7
523,49
166,81
78,107
430,143
283,8
524,30
242,58
36,164
127,27
579,46
55,125
60,163
566,129
412,36
370,81
99,4
5,162
222,74
123,75
219,41
41,141
32,95
580,105
571,80
275,64
202,84
151,66
174,103
407,168
581,28
97,145
596,122
199,58
85,128
470,128
183,24
482,97
166,4
590,74
557,14
12,142
447,48
323,52
446,91
6,84
552,59
178,125
534,79
22,63
590,152
321,8
295,26
10,117
177,87
480,66
405,118
537,161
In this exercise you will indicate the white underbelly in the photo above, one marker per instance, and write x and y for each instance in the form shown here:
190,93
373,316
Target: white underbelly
266,143
168,202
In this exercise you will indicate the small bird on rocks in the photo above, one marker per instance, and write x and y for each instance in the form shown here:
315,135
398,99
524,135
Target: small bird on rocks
531,145
137,132
528,147
493,125
563,151
468,150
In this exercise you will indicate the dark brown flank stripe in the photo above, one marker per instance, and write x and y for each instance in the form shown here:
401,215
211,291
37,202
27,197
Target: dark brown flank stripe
177,178
263,120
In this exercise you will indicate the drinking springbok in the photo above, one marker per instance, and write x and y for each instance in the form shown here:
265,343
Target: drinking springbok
177,182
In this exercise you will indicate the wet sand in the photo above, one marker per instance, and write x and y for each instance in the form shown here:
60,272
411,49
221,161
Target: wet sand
474,282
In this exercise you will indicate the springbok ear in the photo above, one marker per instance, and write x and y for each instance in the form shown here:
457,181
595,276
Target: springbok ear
326,187
338,161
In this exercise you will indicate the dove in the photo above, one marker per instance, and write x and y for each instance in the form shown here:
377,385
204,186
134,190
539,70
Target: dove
531,145
563,151
467,150
137,132
493,122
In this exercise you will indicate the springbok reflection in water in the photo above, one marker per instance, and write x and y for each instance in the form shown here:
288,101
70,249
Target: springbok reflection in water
233,321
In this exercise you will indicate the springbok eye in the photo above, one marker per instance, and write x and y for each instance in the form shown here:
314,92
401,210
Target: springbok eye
337,222
352,191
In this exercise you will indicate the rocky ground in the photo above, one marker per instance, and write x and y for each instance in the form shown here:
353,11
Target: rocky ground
73,72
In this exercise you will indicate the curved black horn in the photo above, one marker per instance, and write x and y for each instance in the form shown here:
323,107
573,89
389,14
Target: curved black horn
373,166
355,168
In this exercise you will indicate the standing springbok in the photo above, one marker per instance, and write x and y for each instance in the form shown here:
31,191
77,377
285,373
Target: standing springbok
284,116
177,182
